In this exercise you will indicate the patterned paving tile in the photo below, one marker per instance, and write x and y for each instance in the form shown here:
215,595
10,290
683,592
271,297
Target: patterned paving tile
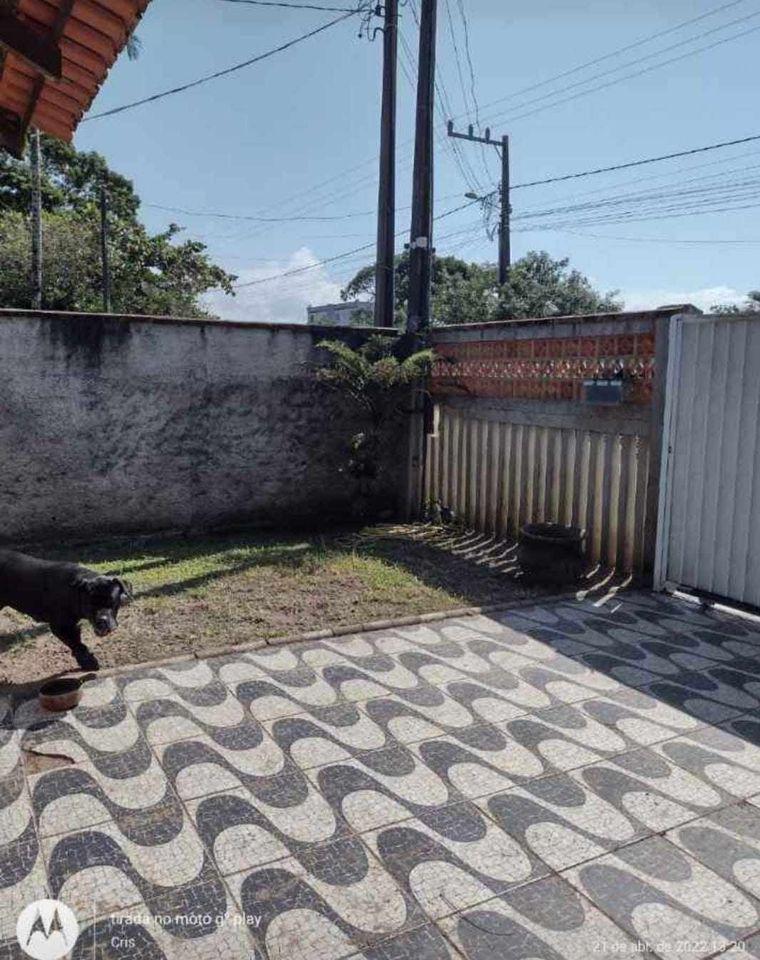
73,797
15,807
728,762
663,896
566,820
173,718
454,859
22,880
153,683
312,742
728,842
564,738
363,796
642,718
645,785
423,943
382,787
83,734
545,920
489,761
115,865
242,830
487,704
331,901
562,821
701,704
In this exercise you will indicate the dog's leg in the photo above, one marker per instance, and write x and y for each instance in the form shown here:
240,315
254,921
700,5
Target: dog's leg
72,637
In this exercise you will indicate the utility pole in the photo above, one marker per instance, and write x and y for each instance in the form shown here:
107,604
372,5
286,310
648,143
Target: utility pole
505,240
36,218
421,242
385,287
105,263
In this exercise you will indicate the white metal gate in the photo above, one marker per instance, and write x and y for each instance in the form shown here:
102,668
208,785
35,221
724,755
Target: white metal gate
709,522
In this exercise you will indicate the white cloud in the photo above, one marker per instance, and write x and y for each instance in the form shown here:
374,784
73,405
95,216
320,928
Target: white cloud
705,299
277,301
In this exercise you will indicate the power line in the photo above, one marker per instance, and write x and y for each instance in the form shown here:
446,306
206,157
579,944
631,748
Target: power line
296,6
637,73
614,53
221,73
635,163
665,240
343,256
257,219
344,173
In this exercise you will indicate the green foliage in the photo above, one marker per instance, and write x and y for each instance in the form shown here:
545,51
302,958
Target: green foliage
371,376
752,305
377,383
463,292
150,273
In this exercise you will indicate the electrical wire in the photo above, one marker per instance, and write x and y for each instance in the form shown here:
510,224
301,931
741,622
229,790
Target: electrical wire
663,240
630,76
220,73
343,174
636,163
608,56
257,219
296,6
342,256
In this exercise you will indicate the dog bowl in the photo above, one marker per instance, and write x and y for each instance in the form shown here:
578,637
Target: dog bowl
60,695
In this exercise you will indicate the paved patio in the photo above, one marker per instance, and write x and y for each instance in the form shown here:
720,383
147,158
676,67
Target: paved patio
557,781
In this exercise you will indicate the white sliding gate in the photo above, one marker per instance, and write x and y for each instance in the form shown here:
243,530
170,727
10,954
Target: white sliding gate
709,520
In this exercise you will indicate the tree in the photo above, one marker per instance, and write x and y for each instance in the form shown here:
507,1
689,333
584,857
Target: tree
540,286
469,292
150,273
752,305
376,381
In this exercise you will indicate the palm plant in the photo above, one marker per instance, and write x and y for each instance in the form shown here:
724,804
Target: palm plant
377,383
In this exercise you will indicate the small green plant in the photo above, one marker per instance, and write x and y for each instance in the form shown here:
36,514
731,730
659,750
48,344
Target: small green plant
378,383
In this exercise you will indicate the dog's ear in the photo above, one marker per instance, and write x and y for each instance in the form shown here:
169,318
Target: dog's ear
127,590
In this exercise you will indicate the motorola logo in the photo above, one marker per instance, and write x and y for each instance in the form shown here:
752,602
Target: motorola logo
47,930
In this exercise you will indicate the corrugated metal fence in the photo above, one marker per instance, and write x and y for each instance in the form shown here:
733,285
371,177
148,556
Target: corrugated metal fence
710,519
498,475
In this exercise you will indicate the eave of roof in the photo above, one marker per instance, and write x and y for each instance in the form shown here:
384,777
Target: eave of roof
90,34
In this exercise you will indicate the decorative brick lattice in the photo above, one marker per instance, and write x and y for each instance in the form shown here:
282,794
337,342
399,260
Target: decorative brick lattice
544,369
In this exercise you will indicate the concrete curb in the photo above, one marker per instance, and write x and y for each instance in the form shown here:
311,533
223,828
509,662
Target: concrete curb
374,626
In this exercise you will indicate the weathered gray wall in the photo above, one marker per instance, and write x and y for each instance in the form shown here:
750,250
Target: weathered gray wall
111,425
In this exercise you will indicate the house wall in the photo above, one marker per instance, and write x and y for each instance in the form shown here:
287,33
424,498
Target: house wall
133,424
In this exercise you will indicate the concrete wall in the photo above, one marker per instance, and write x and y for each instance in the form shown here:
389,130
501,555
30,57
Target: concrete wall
132,424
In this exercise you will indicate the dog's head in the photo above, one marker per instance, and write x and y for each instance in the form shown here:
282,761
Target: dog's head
101,598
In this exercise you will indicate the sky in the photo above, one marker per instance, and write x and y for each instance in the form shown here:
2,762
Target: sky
296,136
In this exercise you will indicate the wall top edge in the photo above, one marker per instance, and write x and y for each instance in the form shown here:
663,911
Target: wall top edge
11,313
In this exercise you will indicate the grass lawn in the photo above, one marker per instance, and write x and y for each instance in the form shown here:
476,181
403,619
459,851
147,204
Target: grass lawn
219,591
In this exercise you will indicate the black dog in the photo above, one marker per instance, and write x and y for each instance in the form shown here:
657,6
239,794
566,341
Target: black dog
60,595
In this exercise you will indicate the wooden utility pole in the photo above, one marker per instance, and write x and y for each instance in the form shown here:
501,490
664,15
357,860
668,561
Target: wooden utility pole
36,218
104,257
505,239
421,241
385,287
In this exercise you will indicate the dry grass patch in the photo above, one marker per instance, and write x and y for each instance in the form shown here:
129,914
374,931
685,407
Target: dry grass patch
225,590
